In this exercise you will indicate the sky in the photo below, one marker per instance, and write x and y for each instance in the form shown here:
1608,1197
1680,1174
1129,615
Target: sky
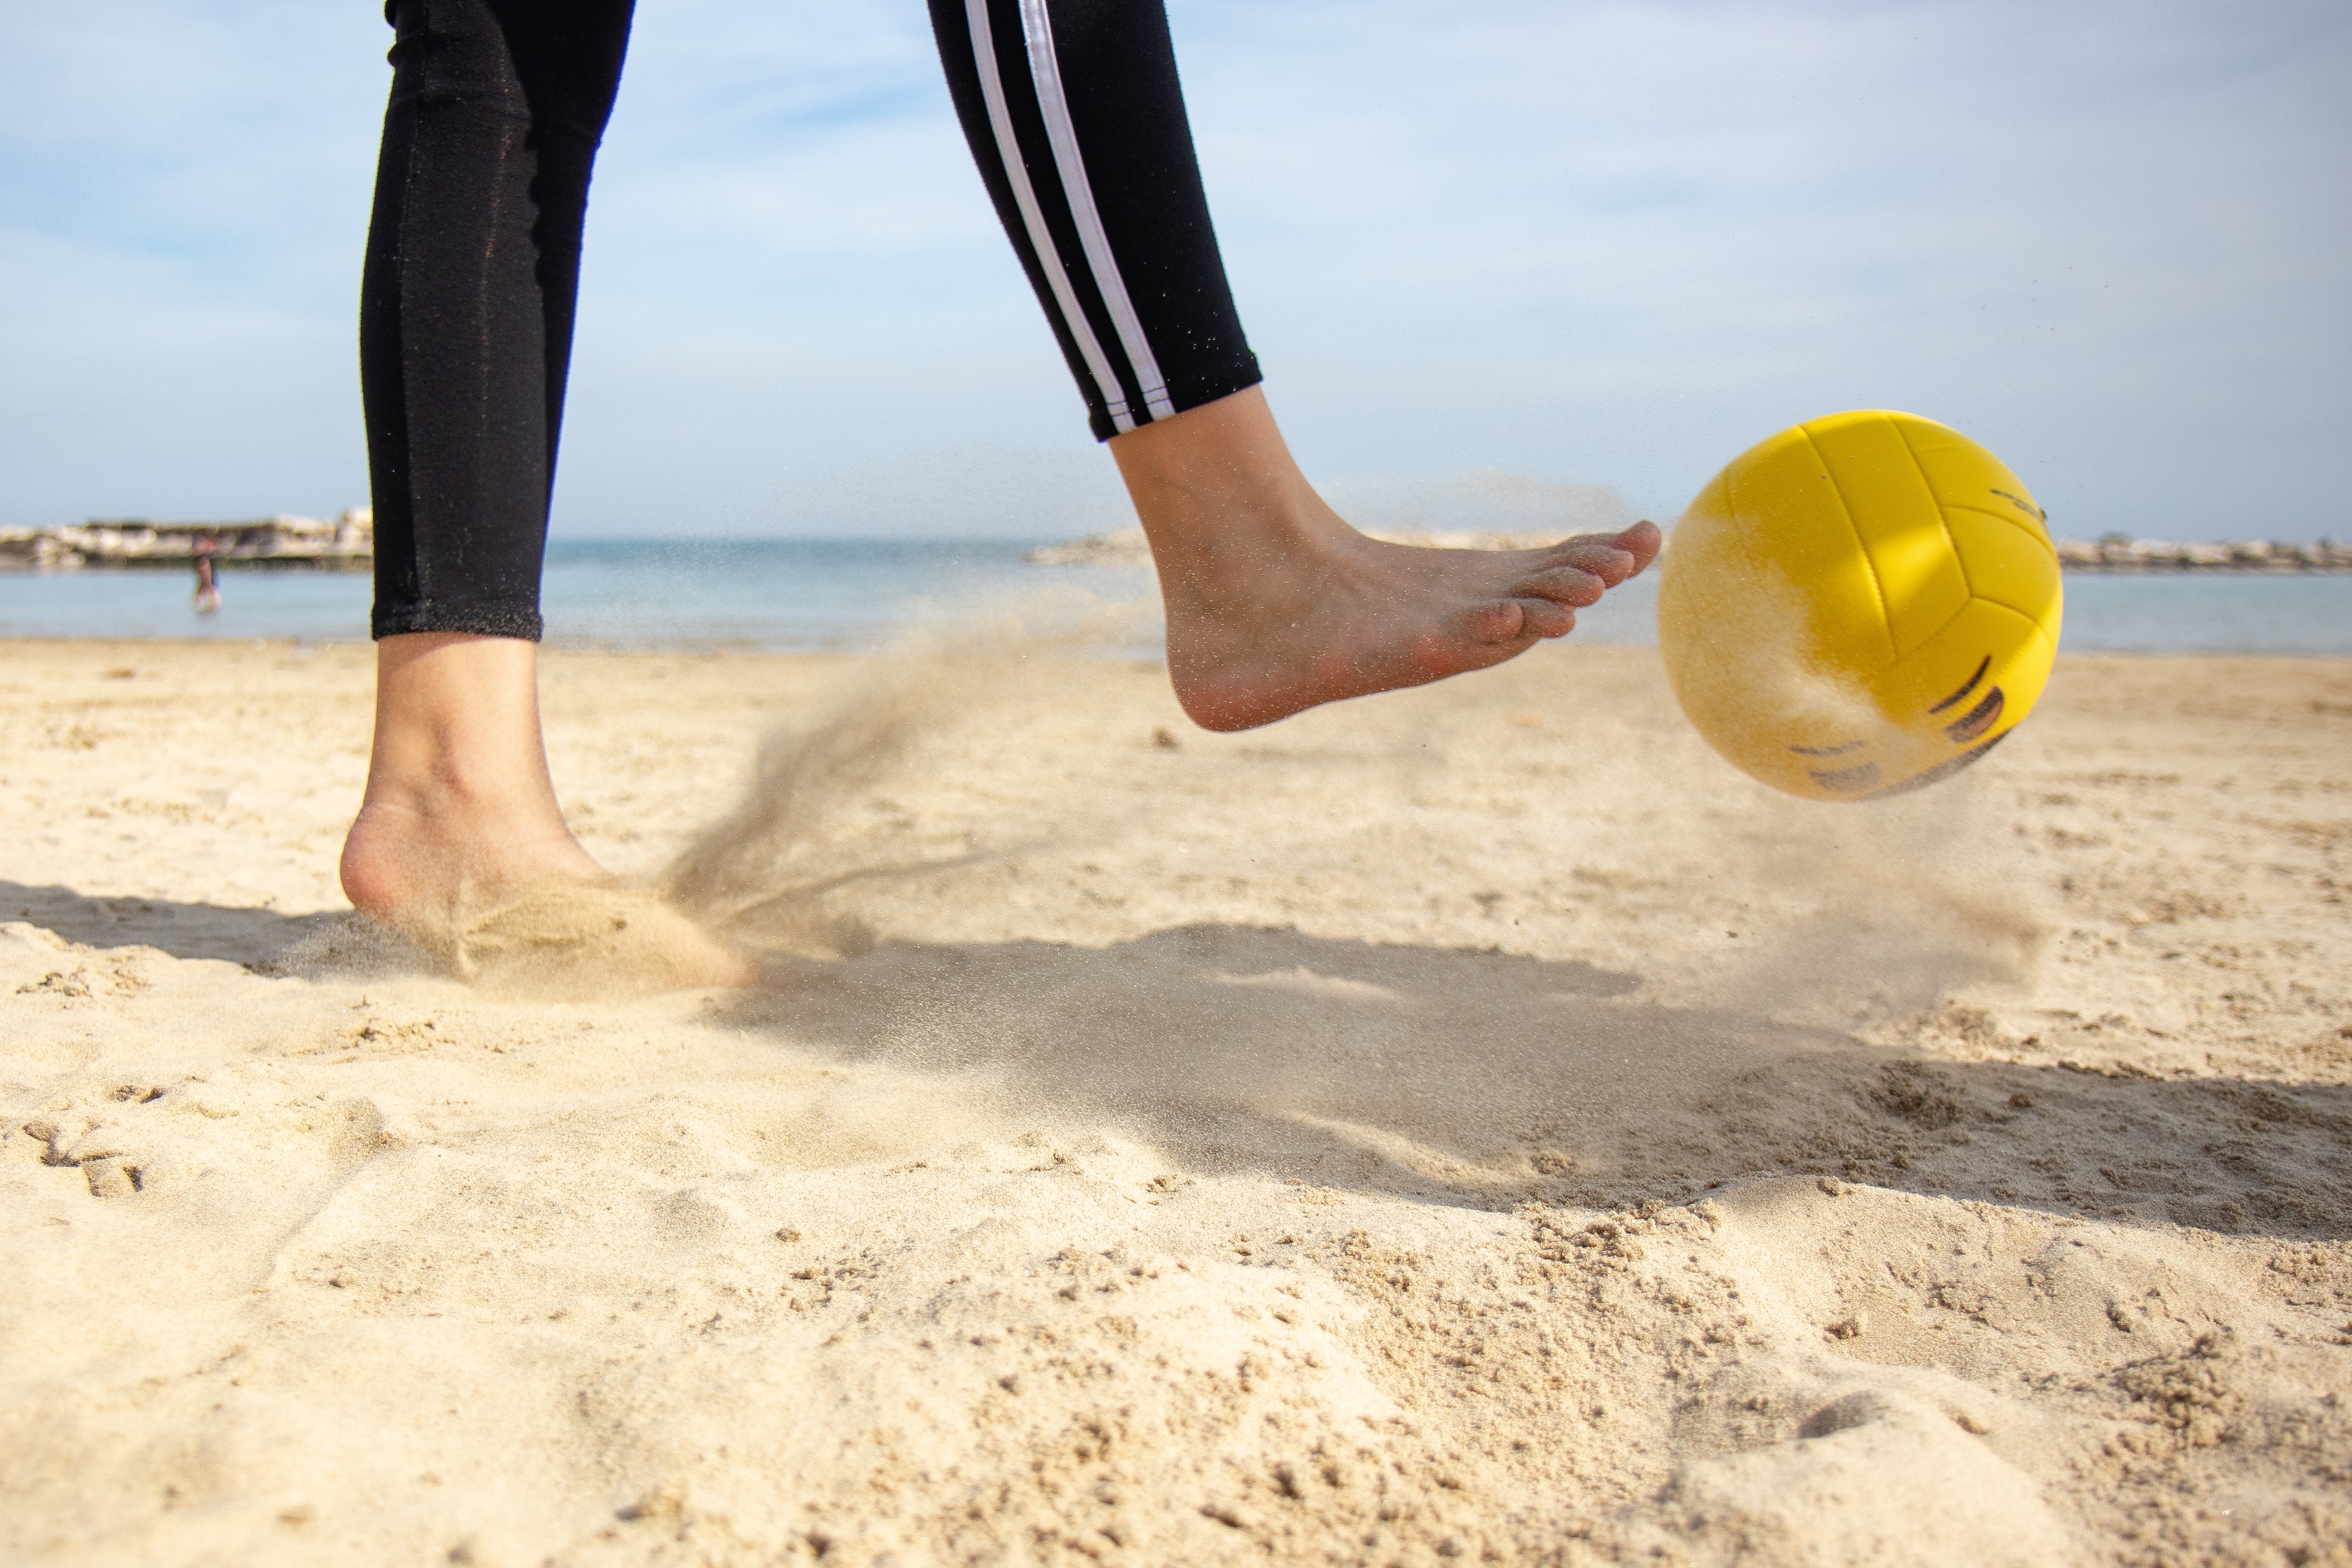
1491,245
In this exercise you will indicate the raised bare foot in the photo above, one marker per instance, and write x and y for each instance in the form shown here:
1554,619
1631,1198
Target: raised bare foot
459,844
1276,604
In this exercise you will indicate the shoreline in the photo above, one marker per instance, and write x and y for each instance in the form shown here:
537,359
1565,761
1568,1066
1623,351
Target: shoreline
2209,568
2113,554
1137,658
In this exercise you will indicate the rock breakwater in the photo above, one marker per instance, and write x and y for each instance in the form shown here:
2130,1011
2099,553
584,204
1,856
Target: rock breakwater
346,544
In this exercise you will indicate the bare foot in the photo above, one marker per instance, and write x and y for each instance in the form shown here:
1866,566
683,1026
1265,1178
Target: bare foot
459,842
431,862
1274,605
459,811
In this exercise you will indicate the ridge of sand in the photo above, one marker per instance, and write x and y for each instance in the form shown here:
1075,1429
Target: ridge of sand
1469,1125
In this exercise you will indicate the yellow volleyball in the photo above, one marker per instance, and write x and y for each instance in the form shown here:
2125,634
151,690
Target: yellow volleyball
1860,605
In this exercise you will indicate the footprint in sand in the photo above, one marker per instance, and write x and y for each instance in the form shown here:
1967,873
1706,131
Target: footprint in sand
95,1145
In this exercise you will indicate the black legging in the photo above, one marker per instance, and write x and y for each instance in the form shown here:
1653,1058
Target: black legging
1072,108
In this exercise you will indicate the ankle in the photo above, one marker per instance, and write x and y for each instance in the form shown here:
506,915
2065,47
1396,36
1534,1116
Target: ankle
456,730
1220,499
455,783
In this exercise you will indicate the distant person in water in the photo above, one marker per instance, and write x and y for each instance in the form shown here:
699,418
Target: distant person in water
1073,111
207,574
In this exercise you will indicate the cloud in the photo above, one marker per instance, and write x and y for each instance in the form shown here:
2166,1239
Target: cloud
1601,243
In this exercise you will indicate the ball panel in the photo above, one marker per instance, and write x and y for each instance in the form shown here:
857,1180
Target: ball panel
2004,661
1933,691
1776,492
1740,640
1939,709
2007,566
1895,514
1963,474
2033,535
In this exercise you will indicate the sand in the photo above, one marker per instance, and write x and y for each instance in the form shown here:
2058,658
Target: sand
1472,1125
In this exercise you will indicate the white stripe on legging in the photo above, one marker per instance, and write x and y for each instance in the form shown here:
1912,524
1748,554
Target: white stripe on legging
1000,121
1038,32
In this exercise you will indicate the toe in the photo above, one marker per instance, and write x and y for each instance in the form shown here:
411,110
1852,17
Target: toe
1547,618
1498,621
1563,585
1612,558
1602,558
1642,542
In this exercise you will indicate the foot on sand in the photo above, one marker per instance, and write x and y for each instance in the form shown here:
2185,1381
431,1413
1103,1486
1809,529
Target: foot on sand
460,845
430,861
1276,604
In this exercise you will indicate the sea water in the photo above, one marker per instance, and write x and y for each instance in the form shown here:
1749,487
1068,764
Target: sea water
805,594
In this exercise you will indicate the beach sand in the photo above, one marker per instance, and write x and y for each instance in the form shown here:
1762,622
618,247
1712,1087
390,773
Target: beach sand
1472,1125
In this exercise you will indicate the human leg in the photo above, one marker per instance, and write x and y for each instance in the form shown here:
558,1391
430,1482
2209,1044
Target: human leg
467,301
465,329
1076,120
1274,605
